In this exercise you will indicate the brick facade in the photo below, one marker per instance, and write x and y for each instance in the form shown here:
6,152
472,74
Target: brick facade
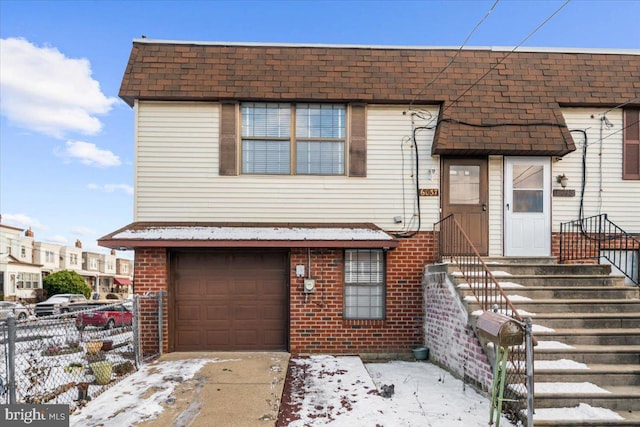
452,342
316,323
151,275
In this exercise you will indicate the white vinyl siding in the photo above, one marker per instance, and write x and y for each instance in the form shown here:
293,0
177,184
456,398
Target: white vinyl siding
177,174
618,198
495,205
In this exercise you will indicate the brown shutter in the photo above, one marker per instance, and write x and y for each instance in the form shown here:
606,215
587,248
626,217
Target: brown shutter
358,141
631,149
228,140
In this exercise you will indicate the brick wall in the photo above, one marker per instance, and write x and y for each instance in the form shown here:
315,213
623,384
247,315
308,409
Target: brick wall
316,321
151,275
317,324
452,342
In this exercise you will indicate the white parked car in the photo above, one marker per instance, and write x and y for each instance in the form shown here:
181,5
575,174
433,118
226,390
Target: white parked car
20,312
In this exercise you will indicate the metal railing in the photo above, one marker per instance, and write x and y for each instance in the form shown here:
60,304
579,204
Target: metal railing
597,237
455,246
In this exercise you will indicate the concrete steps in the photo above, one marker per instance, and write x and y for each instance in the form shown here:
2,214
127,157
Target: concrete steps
587,323
588,320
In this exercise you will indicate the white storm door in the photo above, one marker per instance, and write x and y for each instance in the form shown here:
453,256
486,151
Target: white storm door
527,208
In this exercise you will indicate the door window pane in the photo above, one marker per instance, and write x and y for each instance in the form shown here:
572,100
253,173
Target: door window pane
528,188
464,185
528,176
527,200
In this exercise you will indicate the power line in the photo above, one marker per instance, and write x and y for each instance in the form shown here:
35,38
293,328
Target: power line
456,54
505,57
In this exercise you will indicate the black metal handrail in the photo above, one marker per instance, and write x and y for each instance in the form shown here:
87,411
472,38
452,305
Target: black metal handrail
455,246
595,237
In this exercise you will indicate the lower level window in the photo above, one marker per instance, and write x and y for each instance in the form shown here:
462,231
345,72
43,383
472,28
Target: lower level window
364,284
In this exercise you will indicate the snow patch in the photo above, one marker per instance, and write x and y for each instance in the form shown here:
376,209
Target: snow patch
552,345
580,412
569,388
559,364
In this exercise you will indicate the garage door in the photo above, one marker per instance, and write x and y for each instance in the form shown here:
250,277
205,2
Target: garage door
229,300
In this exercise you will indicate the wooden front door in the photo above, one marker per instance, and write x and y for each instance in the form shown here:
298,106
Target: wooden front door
465,193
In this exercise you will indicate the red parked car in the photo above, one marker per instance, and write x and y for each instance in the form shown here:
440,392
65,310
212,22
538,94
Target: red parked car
106,317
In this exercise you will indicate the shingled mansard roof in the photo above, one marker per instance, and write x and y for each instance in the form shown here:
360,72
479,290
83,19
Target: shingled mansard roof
515,109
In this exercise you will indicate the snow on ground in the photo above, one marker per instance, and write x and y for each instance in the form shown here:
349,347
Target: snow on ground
581,412
479,273
137,398
339,391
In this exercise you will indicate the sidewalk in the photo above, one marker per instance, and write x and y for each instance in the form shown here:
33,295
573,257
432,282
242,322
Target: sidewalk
194,389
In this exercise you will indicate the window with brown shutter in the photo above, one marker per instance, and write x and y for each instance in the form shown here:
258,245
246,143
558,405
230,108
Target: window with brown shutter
228,140
358,141
631,149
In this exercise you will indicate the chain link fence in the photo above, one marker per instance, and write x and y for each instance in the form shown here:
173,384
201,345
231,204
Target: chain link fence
70,359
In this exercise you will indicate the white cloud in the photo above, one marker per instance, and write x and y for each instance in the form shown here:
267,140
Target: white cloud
45,91
83,231
90,154
110,188
22,221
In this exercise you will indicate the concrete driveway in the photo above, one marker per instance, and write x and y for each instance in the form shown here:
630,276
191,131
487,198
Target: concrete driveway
240,389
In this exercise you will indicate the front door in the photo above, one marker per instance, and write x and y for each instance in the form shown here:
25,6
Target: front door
527,210
465,194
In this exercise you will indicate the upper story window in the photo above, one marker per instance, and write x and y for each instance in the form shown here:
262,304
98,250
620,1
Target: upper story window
49,256
73,259
306,138
23,252
124,267
631,149
93,263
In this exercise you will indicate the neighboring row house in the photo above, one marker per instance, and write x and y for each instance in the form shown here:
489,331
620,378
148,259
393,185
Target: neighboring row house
286,195
24,262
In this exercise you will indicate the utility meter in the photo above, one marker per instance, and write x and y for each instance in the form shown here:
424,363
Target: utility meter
309,285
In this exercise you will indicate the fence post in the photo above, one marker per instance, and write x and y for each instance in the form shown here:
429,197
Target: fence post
136,329
11,362
160,320
528,336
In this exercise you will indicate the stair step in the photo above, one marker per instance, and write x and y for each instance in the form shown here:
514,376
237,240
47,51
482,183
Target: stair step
602,375
574,336
578,419
587,320
564,280
617,398
565,306
564,292
520,260
595,354
499,269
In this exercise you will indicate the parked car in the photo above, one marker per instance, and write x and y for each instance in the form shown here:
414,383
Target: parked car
61,303
20,312
108,317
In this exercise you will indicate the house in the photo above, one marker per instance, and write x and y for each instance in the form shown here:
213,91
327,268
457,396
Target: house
20,277
48,255
286,195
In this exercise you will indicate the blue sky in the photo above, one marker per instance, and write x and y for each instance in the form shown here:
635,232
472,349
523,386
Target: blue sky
66,139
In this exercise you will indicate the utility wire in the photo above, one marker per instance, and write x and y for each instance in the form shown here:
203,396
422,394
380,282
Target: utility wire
428,85
505,57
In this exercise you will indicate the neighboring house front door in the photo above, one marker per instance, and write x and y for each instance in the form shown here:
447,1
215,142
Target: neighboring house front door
465,194
527,210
